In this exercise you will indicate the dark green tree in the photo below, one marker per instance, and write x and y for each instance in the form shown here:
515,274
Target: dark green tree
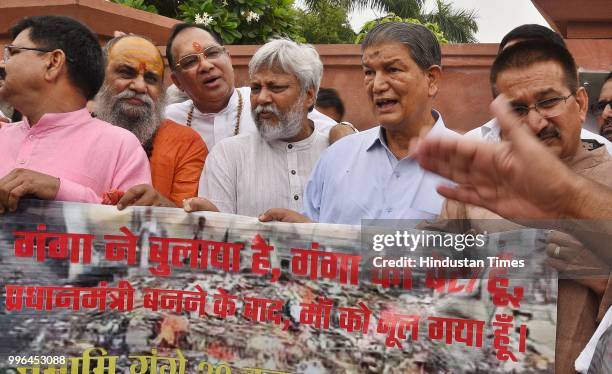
328,24
168,8
138,4
236,21
457,25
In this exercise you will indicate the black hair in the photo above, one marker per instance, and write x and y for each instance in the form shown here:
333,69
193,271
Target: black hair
84,60
422,43
180,27
328,98
527,53
608,77
532,31
17,116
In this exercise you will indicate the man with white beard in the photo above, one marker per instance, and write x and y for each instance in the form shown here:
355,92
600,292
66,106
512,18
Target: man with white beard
252,172
132,97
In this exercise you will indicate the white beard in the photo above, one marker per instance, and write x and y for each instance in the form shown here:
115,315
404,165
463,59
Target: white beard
142,120
289,123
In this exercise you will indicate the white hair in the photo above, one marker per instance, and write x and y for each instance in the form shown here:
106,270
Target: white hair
300,60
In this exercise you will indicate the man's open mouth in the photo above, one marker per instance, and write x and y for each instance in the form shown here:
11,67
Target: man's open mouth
265,115
210,80
385,103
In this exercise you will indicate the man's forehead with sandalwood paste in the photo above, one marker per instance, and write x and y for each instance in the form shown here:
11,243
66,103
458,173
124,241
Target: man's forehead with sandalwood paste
137,53
132,96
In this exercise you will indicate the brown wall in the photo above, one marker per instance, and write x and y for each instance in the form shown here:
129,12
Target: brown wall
464,93
465,71
101,16
578,19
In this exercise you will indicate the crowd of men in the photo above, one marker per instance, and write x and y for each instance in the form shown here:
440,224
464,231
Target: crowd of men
266,151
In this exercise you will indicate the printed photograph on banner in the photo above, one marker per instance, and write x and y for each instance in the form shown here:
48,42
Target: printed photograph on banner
86,287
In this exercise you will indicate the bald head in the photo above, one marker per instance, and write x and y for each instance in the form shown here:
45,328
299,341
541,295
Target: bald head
136,52
132,95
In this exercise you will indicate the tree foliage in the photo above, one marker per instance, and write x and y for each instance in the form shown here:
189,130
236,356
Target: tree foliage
244,21
457,25
394,18
324,21
236,21
138,4
328,24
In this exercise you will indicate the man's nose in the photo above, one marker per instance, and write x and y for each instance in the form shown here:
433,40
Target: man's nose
139,85
380,83
607,112
204,65
535,121
264,97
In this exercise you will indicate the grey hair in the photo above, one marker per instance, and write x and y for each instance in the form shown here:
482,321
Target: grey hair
300,60
421,42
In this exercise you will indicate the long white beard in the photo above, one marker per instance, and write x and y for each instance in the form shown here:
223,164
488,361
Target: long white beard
289,123
142,120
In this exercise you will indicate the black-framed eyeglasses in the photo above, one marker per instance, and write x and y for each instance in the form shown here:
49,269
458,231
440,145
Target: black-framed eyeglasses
192,60
546,108
8,51
598,107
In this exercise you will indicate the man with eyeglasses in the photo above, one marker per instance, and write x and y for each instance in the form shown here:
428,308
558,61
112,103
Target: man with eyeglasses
602,109
490,130
132,97
540,81
202,68
53,67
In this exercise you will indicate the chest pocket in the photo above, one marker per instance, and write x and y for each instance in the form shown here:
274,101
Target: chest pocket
354,194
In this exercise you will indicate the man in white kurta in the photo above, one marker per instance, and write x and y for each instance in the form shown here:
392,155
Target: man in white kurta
252,172
247,174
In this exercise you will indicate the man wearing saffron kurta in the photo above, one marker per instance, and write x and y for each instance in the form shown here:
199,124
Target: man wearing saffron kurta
132,97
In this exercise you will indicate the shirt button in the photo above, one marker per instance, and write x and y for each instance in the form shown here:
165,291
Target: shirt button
296,197
22,162
388,210
293,172
30,137
397,175
290,146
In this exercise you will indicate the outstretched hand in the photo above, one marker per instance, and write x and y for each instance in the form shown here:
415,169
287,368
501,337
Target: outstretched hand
518,178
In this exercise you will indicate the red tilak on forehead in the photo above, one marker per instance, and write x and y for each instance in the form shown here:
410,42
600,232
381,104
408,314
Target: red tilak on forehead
142,66
197,47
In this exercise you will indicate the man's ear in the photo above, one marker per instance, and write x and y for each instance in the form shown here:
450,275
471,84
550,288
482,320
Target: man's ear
55,64
175,80
582,98
311,98
433,73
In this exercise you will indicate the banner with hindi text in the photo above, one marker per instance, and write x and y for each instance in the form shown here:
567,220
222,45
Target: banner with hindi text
87,288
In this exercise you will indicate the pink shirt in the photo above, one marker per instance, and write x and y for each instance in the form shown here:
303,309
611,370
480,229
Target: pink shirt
89,156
